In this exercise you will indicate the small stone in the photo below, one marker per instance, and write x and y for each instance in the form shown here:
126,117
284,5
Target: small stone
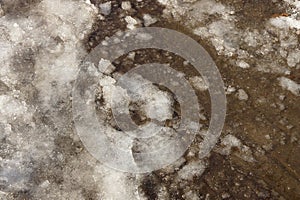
293,58
126,5
105,66
1,11
281,97
131,55
281,106
45,184
225,195
290,85
193,168
101,17
242,64
131,22
105,8
185,63
163,2
198,83
148,20
230,90
242,95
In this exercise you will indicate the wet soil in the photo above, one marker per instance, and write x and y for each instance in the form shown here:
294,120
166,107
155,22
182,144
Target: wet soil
275,174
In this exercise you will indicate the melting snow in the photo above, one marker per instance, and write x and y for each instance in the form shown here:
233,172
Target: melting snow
193,168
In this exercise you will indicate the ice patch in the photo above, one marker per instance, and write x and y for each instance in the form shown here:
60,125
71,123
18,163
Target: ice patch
293,58
158,105
105,66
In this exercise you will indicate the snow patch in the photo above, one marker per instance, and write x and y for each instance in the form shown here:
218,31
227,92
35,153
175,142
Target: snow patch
115,184
230,141
285,22
291,21
158,105
193,168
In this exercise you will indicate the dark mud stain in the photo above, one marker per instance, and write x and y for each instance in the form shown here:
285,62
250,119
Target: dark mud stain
23,65
21,195
53,172
223,181
254,13
89,194
3,88
137,115
115,20
227,177
149,188
105,28
7,149
68,147
65,150
18,7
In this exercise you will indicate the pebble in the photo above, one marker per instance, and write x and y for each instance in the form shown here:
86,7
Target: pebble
242,95
105,8
131,22
126,5
148,20
230,90
242,64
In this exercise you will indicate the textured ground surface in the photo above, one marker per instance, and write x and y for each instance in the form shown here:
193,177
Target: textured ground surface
255,45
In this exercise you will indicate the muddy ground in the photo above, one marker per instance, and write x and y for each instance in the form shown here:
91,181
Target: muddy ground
266,122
